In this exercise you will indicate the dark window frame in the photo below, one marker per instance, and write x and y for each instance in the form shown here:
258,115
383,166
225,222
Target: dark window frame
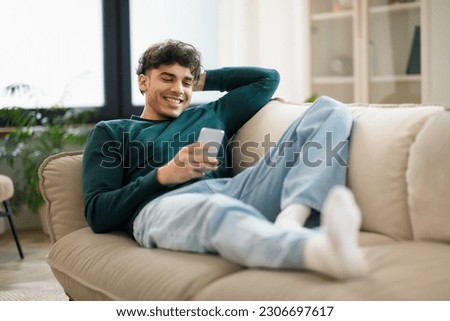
116,31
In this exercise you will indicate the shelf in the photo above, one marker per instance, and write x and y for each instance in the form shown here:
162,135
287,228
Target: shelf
395,7
379,36
326,80
395,78
332,15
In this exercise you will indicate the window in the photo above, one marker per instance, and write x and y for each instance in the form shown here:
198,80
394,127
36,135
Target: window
83,53
55,48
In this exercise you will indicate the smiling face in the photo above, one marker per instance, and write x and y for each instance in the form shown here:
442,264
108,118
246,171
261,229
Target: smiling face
167,90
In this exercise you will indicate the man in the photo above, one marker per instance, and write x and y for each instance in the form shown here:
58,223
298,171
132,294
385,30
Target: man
145,175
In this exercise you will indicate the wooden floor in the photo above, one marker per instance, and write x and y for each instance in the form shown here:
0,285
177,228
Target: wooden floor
17,274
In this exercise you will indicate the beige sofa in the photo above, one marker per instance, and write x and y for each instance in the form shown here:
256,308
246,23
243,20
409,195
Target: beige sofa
399,170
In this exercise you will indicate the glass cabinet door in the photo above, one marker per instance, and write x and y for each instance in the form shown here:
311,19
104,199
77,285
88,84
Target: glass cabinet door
394,51
332,52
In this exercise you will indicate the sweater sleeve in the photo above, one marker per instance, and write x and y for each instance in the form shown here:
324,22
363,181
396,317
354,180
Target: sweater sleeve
109,203
248,90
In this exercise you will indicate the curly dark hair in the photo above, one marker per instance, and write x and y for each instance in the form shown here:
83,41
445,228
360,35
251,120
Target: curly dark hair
169,52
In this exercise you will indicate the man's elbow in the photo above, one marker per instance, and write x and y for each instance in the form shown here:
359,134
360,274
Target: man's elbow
272,78
95,223
273,75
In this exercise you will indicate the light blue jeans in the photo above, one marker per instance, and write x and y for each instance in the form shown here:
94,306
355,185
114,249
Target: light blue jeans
234,216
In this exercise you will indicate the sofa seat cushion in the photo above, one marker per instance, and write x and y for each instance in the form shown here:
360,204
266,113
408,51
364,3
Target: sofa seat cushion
113,267
398,271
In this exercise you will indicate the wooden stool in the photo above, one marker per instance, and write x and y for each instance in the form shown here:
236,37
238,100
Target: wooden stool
6,192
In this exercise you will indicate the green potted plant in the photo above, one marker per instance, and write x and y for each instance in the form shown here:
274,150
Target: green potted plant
34,135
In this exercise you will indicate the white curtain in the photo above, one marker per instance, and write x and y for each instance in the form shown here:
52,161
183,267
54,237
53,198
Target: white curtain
267,33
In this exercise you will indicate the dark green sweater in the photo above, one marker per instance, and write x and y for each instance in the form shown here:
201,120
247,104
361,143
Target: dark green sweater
121,156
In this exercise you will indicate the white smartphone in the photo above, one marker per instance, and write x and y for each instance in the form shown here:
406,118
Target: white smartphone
213,137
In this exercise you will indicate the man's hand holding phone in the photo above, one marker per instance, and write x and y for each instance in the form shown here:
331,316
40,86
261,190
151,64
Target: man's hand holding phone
193,160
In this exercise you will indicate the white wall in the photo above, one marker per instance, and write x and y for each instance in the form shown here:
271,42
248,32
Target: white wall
439,22
267,33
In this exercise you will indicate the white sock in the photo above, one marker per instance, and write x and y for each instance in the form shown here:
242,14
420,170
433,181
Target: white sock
335,252
293,217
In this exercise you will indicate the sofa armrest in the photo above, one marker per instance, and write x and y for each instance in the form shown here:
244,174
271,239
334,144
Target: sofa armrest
61,187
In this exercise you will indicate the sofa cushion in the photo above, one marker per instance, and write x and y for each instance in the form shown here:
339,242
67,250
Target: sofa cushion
268,125
428,179
379,152
408,270
113,267
86,263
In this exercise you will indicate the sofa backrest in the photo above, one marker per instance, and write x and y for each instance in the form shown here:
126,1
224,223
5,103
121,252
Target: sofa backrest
399,164
399,169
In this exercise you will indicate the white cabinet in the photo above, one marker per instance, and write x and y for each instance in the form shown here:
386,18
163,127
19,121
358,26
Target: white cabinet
333,49
394,69
374,51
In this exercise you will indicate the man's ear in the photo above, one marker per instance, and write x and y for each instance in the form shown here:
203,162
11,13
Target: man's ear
143,82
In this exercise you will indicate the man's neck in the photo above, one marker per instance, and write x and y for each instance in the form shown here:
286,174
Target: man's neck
150,115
